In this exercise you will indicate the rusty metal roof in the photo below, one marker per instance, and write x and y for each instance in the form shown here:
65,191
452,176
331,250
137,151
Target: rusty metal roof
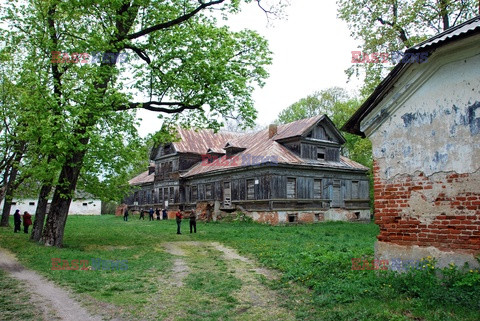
142,178
199,141
259,148
296,128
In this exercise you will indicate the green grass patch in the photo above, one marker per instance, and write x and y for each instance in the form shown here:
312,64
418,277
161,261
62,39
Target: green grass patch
15,302
317,281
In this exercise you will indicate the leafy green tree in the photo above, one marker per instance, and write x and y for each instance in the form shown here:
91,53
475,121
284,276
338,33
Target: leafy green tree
179,60
384,26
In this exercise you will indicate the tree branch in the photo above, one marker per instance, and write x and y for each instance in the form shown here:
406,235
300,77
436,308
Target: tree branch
155,106
173,22
140,53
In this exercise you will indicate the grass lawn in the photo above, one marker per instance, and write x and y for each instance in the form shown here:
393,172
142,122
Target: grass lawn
316,279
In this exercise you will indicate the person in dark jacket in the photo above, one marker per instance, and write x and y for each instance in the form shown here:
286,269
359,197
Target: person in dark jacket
125,215
17,220
150,214
193,222
27,221
142,215
157,212
164,213
178,217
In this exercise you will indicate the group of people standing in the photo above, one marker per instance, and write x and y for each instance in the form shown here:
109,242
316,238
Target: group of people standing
193,221
157,212
17,220
178,216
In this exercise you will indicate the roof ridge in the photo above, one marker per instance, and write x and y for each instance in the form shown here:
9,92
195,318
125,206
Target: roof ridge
444,33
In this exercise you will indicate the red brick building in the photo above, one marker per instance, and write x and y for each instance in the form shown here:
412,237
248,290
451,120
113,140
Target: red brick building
424,123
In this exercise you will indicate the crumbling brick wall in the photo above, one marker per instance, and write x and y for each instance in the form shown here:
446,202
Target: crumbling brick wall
440,210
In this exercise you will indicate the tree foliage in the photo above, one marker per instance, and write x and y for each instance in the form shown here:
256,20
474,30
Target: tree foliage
384,26
180,63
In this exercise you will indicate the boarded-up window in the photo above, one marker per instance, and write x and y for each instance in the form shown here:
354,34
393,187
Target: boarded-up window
208,191
227,194
194,193
320,153
291,188
355,194
250,189
172,195
336,201
317,188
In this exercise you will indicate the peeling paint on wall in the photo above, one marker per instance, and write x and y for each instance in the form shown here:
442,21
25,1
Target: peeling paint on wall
427,169
431,133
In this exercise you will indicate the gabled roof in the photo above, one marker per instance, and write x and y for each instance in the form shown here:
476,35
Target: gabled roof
297,128
142,178
467,29
259,148
198,142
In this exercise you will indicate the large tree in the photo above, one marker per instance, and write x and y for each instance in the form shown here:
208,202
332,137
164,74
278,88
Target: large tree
384,26
179,60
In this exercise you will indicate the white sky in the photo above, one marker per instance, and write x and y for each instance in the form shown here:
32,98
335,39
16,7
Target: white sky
311,49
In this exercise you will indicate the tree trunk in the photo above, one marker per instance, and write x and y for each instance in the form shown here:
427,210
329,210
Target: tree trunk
7,205
444,14
64,192
40,212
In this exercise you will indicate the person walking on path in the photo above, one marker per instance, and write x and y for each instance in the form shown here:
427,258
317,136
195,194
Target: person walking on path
125,215
178,217
164,212
27,221
17,220
142,214
193,221
150,214
157,212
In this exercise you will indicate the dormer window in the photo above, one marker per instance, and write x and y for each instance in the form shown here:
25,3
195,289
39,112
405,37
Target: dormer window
320,153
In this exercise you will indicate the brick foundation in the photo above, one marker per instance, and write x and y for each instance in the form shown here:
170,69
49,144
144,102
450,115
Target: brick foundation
440,211
120,210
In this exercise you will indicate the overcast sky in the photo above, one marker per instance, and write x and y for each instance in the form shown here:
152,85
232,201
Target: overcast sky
311,49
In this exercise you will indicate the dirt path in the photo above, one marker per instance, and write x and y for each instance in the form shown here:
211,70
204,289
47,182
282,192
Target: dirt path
180,269
254,300
54,300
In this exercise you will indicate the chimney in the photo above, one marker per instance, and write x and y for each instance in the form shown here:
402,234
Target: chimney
272,130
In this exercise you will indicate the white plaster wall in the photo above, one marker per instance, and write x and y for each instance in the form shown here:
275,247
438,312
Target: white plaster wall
92,207
338,214
437,129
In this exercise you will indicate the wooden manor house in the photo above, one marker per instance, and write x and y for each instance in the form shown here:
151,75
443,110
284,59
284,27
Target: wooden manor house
286,173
